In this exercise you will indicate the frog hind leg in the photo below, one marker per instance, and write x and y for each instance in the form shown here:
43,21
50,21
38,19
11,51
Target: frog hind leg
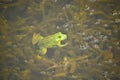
36,38
43,51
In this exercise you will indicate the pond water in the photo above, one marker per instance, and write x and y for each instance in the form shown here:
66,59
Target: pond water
31,47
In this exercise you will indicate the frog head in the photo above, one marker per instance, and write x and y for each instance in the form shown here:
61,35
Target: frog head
60,36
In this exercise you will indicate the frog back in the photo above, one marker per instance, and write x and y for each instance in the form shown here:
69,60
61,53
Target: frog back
48,41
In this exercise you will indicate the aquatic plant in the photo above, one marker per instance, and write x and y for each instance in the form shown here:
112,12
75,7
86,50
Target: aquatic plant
92,27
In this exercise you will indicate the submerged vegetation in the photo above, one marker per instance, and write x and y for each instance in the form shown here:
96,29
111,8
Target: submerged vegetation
92,27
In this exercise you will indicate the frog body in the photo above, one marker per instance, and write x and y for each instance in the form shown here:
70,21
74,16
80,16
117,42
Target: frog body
49,41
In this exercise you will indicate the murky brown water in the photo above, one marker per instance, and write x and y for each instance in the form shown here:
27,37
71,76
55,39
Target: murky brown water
92,28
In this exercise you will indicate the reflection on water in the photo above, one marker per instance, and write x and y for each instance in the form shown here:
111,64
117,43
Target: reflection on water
92,28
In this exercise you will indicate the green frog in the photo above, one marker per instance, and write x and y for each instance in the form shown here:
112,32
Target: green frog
48,41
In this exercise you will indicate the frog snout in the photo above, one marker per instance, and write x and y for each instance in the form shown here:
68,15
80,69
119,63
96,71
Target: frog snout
65,36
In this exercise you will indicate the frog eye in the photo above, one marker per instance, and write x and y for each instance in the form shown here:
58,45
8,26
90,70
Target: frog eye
59,36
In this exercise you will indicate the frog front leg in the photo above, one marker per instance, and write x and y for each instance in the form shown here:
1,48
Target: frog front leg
62,45
42,51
